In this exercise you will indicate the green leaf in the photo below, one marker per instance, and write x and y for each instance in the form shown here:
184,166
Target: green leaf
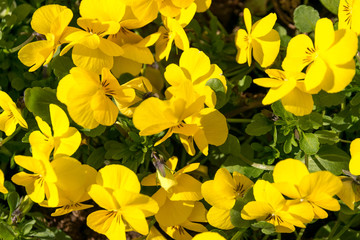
311,121
325,99
61,66
13,200
22,11
115,150
305,18
219,89
309,143
26,228
37,101
244,83
330,158
94,132
235,215
6,231
96,158
280,111
288,143
355,100
231,146
234,164
331,5
259,125
327,137
266,228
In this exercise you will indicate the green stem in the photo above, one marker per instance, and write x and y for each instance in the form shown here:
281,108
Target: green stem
237,235
344,141
256,165
301,233
279,236
333,230
217,20
14,49
236,120
346,227
199,154
306,160
8,138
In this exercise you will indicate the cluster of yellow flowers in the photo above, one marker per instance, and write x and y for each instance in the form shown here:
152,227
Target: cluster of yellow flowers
106,46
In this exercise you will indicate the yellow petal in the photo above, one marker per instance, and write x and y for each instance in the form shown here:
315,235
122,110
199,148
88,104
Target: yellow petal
247,20
91,59
242,45
208,235
347,194
195,62
70,208
266,48
35,54
317,73
219,218
103,197
187,189
2,188
107,10
136,219
299,108
174,212
263,26
324,34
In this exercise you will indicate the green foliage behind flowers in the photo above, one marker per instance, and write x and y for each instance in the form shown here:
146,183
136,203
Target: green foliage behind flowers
150,116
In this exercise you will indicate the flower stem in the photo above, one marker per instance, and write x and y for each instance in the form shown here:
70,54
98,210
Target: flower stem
255,165
333,230
238,120
344,141
14,49
195,157
301,233
8,138
346,227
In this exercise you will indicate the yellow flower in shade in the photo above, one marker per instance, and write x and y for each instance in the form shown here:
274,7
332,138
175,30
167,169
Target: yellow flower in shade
51,21
136,51
117,190
193,223
354,165
89,99
177,194
195,66
272,207
349,15
350,191
329,61
173,31
154,234
259,40
73,180
208,236
317,188
172,8
221,193
139,13
2,187
65,139
285,85
11,115
42,182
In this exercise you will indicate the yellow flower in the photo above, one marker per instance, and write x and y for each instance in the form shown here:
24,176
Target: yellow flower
88,98
177,193
2,187
208,235
330,60
136,51
350,191
139,13
65,139
349,15
51,21
272,207
173,31
354,164
73,180
11,115
221,193
193,224
117,190
317,188
40,183
284,85
195,66
259,40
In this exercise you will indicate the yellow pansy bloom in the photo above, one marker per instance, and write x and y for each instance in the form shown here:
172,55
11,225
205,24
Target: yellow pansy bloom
349,15
330,64
2,187
354,164
285,85
139,13
73,180
272,207
88,98
136,51
193,223
317,188
11,115
52,21
42,182
173,31
221,193
208,235
64,139
195,66
117,190
259,40
350,191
